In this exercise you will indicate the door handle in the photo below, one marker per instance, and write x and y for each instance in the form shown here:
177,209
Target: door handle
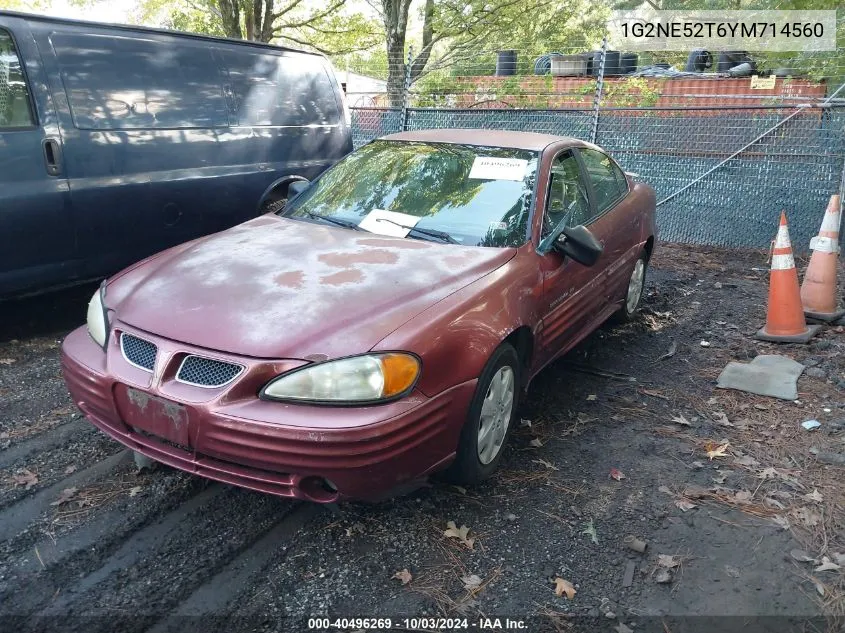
52,156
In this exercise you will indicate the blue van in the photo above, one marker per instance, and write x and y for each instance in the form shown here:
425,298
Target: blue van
117,142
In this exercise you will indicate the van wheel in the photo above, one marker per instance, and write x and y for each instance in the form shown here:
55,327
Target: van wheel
274,206
490,419
634,295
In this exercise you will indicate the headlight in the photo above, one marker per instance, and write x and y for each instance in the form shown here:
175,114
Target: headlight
98,327
359,379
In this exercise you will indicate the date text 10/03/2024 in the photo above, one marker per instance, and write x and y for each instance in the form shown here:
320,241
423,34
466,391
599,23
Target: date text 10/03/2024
424,623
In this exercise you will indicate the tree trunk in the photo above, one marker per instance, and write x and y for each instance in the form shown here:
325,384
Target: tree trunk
395,26
230,12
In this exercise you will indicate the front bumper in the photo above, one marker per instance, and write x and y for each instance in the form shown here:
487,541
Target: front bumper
228,434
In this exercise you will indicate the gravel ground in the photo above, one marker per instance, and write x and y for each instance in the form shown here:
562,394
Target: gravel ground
87,543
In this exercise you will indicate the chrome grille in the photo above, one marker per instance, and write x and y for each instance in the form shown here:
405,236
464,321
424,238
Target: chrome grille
205,372
137,351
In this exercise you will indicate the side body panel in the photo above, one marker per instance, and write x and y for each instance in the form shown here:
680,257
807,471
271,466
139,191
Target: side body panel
36,220
154,149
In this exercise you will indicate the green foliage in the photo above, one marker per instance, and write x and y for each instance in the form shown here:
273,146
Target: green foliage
631,92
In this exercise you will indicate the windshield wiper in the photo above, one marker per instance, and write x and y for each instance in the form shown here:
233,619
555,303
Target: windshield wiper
432,233
349,224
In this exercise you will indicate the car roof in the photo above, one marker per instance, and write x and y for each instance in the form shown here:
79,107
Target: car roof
147,29
495,138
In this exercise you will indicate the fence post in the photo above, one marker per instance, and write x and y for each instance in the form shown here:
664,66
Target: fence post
406,89
599,89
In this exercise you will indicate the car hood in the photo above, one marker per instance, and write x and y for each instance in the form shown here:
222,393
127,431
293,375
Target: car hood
279,288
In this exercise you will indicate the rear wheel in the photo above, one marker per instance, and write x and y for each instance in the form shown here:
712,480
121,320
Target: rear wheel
636,286
490,418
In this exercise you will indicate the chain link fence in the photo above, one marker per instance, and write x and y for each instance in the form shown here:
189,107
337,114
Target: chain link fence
711,141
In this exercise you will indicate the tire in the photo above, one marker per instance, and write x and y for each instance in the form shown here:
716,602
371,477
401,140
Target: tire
473,463
273,206
634,294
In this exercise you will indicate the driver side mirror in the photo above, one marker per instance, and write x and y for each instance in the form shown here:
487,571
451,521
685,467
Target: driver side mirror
297,187
578,243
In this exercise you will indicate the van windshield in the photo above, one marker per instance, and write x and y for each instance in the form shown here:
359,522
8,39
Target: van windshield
470,195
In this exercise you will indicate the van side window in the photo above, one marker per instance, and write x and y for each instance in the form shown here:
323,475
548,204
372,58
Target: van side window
14,96
125,83
278,90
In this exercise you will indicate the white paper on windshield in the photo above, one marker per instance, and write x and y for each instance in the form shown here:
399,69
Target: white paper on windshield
376,221
492,168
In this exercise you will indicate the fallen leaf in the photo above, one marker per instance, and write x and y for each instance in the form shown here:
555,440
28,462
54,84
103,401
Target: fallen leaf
653,394
746,460
7,361
721,477
564,587
722,419
685,505
670,562
695,492
828,565
536,443
714,450
673,347
814,496
403,576
525,423
591,397
548,465
617,474
698,465
801,556
590,530
773,503
743,496
663,576
781,521
70,470
768,473
807,516
460,489
665,489
25,477
135,490
66,495
680,419
819,587
471,582
452,531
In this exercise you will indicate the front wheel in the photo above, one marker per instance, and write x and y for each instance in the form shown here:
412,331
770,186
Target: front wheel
636,286
491,415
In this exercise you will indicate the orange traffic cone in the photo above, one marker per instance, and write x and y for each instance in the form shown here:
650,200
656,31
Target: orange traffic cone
785,318
818,292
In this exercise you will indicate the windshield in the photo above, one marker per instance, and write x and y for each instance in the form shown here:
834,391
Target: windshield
466,194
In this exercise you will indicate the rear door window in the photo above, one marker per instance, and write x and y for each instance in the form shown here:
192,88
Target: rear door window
120,83
15,111
267,89
606,177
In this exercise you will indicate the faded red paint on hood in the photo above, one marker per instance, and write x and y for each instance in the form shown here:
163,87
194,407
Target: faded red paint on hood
279,288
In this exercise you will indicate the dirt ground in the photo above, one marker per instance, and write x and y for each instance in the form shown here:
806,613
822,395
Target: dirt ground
614,442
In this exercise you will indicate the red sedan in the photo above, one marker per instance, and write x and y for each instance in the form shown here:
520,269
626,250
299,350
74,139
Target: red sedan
380,328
